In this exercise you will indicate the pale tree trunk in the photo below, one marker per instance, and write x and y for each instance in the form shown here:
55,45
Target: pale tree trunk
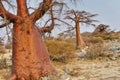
79,41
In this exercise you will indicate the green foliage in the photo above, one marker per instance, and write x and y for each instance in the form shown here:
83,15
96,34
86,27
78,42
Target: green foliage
60,50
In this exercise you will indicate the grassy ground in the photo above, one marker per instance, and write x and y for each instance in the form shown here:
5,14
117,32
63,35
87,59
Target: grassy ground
98,60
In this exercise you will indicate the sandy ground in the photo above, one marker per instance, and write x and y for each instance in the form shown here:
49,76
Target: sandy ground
82,70
91,70
78,69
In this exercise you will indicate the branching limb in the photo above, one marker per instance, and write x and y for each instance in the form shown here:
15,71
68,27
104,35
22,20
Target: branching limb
42,9
74,13
9,3
49,28
4,24
46,29
64,22
69,17
5,14
72,28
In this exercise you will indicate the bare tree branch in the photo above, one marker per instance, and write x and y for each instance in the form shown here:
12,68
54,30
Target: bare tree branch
69,17
49,28
42,9
5,14
64,22
9,3
4,24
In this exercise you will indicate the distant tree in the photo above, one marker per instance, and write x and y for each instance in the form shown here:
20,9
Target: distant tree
79,17
101,28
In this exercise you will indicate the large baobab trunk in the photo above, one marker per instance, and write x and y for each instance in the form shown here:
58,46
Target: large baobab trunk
30,57
79,41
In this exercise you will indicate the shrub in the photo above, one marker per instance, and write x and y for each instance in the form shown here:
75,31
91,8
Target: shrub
115,35
96,50
93,40
3,63
60,50
2,50
108,36
104,36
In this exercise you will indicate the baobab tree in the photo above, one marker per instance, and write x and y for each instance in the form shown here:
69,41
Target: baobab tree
30,57
79,17
101,28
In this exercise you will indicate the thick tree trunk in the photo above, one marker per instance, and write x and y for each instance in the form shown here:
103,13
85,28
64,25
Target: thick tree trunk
79,41
30,56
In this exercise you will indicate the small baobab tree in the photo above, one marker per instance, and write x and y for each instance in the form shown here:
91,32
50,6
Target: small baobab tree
79,17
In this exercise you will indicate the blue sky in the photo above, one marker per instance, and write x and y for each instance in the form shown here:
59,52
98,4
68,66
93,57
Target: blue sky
108,12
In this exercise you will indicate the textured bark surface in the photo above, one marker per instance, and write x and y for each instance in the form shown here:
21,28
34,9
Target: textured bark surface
30,56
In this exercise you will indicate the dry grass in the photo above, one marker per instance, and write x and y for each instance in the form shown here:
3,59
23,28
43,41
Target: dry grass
60,50
96,47
108,36
96,51
64,51
2,50
93,40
